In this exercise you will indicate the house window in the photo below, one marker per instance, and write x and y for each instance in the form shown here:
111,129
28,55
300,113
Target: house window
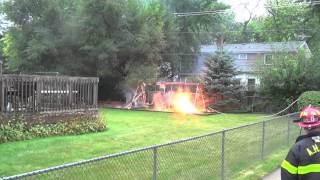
268,59
243,56
251,84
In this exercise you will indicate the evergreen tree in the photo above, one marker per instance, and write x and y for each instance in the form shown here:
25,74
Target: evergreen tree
220,81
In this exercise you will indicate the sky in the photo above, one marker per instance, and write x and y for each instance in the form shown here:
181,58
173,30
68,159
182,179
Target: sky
1,21
240,10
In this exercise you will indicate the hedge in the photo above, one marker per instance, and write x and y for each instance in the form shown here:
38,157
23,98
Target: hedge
309,97
20,127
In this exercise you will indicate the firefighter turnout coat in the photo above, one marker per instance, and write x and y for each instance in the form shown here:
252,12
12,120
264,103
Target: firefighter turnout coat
303,159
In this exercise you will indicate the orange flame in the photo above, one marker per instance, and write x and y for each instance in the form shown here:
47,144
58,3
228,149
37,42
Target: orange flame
182,103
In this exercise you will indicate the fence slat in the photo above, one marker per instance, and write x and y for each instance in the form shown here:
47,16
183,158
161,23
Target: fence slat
87,94
78,94
2,95
27,93
65,95
33,95
95,95
5,94
81,94
17,94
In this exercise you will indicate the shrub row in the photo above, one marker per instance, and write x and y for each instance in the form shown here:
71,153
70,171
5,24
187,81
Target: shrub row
18,128
309,97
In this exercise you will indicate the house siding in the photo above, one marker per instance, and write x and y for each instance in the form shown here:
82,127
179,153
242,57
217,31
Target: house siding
256,52
249,64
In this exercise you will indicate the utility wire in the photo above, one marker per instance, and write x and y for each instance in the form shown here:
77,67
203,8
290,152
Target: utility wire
200,13
287,5
283,109
182,54
210,32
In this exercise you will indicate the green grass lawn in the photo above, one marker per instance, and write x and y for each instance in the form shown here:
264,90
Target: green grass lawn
263,168
126,130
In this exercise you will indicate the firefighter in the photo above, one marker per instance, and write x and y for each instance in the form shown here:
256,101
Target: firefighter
303,159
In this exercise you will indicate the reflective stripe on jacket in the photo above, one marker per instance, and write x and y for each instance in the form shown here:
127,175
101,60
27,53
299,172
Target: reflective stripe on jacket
303,159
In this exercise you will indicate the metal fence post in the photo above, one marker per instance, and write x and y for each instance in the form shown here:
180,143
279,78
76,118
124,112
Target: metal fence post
222,153
263,139
155,163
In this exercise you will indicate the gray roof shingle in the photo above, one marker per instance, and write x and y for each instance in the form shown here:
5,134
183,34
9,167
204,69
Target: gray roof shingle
248,48
290,46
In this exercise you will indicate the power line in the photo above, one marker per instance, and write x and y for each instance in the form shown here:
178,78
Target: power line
200,13
197,12
182,54
252,31
303,4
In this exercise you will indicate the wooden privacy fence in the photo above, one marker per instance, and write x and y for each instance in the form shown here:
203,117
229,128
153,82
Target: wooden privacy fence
31,93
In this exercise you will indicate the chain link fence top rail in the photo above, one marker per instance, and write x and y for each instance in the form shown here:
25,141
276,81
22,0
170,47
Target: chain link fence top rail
219,155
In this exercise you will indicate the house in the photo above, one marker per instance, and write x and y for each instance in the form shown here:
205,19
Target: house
247,56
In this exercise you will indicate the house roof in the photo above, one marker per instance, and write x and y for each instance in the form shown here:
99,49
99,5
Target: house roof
250,48
290,46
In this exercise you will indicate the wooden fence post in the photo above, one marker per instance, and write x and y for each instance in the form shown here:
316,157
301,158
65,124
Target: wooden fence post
2,106
46,93
38,94
95,93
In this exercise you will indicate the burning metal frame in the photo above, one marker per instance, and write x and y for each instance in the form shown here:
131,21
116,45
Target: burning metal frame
181,97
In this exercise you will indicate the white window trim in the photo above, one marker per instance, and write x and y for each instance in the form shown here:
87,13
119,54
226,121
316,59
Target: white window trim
245,56
265,57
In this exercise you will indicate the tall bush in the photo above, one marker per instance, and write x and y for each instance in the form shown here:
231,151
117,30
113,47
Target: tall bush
309,98
288,77
19,128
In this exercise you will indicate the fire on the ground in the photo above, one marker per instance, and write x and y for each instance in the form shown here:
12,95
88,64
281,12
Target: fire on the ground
186,98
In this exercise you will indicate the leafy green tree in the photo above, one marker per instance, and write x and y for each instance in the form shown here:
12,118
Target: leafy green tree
83,37
220,80
32,44
287,21
288,77
190,30
104,38
140,74
122,39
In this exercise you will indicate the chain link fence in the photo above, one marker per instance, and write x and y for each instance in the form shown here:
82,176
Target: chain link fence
219,155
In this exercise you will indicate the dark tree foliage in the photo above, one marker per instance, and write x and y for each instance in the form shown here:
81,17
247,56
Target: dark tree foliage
188,32
95,38
105,38
220,80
